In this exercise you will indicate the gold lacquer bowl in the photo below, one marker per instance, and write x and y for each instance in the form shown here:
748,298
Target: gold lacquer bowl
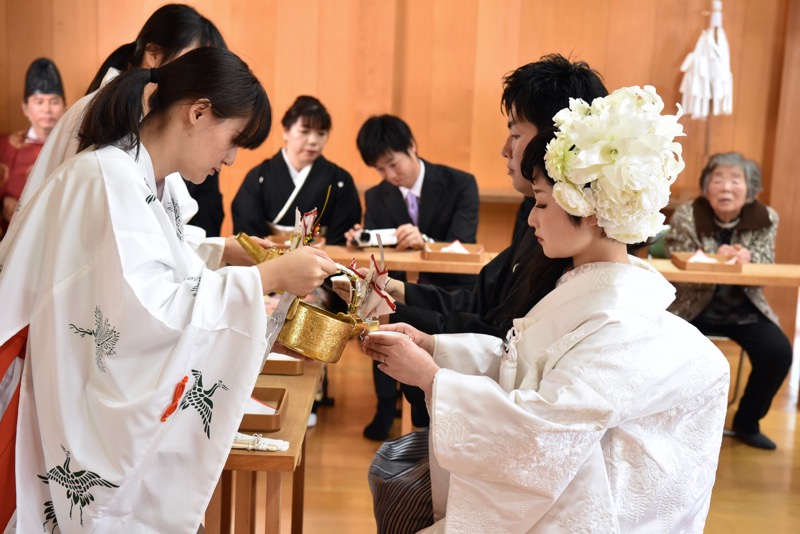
318,333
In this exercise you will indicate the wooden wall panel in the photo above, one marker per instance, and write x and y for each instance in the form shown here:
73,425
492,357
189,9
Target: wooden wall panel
784,163
35,43
416,26
74,45
449,131
496,44
5,79
439,64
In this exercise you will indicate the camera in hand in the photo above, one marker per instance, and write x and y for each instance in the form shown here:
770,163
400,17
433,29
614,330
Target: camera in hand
369,238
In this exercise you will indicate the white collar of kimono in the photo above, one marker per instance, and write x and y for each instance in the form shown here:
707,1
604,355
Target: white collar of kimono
648,292
298,177
145,164
417,187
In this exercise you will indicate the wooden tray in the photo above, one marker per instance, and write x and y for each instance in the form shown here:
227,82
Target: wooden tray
266,423
433,252
680,259
280,364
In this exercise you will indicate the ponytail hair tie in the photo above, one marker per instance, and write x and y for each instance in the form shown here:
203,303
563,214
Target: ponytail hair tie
153,75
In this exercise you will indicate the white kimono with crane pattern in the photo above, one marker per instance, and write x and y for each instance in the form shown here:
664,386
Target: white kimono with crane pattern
139,358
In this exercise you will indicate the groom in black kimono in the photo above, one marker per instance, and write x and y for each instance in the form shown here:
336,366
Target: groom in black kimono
518,277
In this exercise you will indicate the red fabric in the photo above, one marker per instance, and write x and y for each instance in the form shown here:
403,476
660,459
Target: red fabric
11,349
18,154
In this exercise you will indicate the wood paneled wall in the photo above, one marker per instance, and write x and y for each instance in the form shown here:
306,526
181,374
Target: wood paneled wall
439,64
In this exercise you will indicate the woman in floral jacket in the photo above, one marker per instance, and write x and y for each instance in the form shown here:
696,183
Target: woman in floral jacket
727,219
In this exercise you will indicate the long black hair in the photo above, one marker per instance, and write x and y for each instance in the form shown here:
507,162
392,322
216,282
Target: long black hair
173,27
540,273
214,74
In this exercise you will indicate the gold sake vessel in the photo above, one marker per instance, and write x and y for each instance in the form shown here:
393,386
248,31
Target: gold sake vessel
308,329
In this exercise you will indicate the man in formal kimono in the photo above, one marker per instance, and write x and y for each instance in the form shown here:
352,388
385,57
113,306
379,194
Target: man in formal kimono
43,104
422,202
532,94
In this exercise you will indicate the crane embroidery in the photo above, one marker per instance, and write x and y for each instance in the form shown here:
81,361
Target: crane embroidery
196,285
175,208
49,515
200,399
151,197
105,338
77,484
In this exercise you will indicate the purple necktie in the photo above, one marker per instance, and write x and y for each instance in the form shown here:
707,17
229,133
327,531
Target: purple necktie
413,207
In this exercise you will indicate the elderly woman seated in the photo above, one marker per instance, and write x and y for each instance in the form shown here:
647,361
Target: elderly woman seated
727,219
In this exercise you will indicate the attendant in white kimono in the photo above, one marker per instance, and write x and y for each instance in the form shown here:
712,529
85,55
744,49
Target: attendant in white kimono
172,30
601,411
139,359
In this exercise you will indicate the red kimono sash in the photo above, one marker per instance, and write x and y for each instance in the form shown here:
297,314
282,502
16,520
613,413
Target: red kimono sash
9,351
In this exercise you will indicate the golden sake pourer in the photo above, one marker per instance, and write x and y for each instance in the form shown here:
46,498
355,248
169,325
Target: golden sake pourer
311,330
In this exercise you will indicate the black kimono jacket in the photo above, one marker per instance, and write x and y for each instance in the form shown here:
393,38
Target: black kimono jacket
267,187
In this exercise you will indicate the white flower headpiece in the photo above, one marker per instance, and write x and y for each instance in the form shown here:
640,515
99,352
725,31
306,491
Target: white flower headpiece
624,150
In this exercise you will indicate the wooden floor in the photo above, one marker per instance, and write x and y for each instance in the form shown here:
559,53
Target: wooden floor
756,491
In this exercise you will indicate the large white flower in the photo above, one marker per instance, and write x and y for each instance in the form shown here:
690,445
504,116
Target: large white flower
616,158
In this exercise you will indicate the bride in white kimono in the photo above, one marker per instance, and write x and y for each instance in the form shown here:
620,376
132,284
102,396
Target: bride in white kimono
601,412
139,358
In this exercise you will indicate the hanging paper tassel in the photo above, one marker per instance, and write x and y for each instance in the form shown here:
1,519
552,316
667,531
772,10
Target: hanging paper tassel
708,81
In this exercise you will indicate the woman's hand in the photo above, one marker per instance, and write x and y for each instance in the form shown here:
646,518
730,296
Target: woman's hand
420,339
234,254
299,271
402,358
737,251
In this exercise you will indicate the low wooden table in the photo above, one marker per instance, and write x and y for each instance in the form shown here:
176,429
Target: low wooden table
243,468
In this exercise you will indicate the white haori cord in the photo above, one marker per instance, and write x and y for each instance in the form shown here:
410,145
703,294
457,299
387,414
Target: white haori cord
508,364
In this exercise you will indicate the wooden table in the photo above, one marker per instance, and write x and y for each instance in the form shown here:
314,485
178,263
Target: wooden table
753,274
246,466
406,260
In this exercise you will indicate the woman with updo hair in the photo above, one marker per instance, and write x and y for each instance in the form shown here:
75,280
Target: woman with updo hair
727,219
298,176
136,358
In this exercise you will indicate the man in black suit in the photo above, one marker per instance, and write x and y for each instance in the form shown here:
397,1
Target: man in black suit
446,199
424,202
